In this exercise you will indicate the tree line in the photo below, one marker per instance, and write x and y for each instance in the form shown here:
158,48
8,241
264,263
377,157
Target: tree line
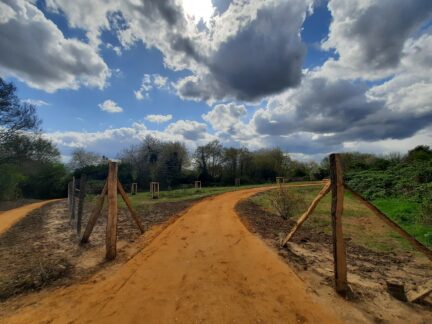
30,164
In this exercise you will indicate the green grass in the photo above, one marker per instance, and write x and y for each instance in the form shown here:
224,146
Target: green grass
406,214
143,199
360,224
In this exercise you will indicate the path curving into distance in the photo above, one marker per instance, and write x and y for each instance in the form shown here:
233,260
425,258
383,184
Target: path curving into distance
204,267
12,216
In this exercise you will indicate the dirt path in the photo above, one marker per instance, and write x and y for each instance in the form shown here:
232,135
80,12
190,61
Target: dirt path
10,217
205,267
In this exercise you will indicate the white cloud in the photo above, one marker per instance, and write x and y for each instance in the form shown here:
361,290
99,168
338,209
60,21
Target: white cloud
225,117
158,118
113,141
188,129
239,53
36,102
198,10
110,106
150,82
370,46
35,51
410,90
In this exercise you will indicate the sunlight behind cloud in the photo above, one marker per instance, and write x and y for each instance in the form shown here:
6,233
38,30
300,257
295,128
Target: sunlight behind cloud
197,10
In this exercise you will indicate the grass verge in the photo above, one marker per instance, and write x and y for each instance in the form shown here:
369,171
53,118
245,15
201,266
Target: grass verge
359,224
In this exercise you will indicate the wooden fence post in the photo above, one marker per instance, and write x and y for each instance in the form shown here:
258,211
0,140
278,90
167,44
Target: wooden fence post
111,230
339,253
81,198
134,188
72,215
69,197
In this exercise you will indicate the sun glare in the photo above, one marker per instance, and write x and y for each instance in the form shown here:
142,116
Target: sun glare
197,10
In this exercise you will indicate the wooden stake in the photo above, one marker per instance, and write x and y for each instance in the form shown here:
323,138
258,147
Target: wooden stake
111,229
154,190
339,253
72,215
129,206
306,214
69,197
81,202
416,244
416,295
134,188
95,214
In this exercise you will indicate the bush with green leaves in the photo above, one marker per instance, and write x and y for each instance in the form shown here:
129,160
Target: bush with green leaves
426,212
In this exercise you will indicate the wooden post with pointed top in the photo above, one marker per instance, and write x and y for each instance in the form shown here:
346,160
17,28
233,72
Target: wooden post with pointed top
111,229
339,253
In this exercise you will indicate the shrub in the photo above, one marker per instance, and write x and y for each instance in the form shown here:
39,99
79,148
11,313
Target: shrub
426,212
285,202
10,177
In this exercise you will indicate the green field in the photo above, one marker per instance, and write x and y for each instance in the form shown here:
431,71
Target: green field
176,195
360,225
406,214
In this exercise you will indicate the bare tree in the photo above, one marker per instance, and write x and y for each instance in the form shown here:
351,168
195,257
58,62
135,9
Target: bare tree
82,158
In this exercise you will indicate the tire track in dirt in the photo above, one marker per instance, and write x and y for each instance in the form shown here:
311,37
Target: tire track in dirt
205,267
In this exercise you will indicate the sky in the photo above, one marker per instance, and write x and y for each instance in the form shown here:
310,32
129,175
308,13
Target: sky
310,77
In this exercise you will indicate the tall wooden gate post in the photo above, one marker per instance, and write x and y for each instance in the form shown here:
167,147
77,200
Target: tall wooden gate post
339,253
111,231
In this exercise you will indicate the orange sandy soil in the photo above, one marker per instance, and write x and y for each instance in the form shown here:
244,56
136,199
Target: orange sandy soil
10,217
204,267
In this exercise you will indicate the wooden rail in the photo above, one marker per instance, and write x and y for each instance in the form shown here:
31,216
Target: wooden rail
307,213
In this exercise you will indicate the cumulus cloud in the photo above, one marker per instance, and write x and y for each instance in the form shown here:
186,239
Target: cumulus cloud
250,50
265,56
150,82
188,129
369,45
110,106
410,90
224,117
158,119
336,111
111,142
35,51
